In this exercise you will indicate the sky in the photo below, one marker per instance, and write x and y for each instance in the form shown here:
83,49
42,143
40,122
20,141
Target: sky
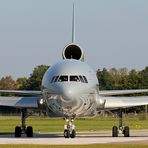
112,33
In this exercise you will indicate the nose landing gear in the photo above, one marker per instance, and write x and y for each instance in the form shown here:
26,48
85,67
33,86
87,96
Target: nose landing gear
69,129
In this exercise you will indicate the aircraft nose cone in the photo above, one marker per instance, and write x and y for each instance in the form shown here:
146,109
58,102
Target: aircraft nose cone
68,93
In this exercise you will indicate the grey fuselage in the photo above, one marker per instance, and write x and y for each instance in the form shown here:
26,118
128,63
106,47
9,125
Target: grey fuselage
68,98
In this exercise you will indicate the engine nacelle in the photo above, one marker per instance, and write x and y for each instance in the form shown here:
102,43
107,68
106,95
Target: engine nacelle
73,51
100,102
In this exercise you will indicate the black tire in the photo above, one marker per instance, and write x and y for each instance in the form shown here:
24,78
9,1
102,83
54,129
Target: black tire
18,131
126,131
66,133
29,131
114,131
73,134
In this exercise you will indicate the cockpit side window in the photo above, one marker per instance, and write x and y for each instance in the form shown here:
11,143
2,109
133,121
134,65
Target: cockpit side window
85,79
81,79
63,78
74,78
56,78
52,79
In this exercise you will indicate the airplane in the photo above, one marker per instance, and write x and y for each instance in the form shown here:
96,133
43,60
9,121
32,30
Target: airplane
70,89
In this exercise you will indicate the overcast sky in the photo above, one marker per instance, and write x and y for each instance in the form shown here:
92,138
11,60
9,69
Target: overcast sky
112,33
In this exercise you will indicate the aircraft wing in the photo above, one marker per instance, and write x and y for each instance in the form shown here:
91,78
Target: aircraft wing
121,92
20,102
124,102
22,92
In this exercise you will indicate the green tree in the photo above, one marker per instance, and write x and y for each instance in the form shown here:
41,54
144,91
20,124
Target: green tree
133,79
105,79
144,77
22,83
35,79
116,78
119,78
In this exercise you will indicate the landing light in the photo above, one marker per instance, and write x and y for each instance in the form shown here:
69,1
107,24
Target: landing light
41,101
41,104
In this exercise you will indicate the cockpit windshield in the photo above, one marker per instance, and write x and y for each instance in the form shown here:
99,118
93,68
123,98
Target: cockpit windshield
85,80
71,78
74,78
52,79
81,79
56,78
63,78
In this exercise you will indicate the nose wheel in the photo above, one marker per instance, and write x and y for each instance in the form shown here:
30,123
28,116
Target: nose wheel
69,129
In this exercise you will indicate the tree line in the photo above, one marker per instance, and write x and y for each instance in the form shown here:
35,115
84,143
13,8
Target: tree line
113,79
33,82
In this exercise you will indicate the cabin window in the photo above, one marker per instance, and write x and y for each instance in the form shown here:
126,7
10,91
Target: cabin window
63,78
74,78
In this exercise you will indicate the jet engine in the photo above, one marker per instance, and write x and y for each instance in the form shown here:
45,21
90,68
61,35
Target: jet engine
100,102
73,51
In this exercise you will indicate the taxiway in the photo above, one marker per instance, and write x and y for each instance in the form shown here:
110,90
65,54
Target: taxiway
137,137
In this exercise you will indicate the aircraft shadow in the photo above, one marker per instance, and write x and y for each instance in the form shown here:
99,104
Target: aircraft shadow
54,135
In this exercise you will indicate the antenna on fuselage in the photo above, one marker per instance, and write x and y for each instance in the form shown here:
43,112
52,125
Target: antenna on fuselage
73,24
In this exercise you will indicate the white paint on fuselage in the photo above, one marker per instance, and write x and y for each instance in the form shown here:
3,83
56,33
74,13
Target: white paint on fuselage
68,97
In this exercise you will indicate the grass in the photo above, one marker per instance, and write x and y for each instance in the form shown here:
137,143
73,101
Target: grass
76,146
41,124
8,123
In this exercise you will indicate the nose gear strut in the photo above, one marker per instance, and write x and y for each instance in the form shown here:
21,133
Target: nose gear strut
69,129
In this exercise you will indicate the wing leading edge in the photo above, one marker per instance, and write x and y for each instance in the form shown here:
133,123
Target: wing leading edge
124,102
22,92
27,99
121,92
20,102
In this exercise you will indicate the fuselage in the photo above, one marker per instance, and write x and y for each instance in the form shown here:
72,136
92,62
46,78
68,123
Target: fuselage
69,88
